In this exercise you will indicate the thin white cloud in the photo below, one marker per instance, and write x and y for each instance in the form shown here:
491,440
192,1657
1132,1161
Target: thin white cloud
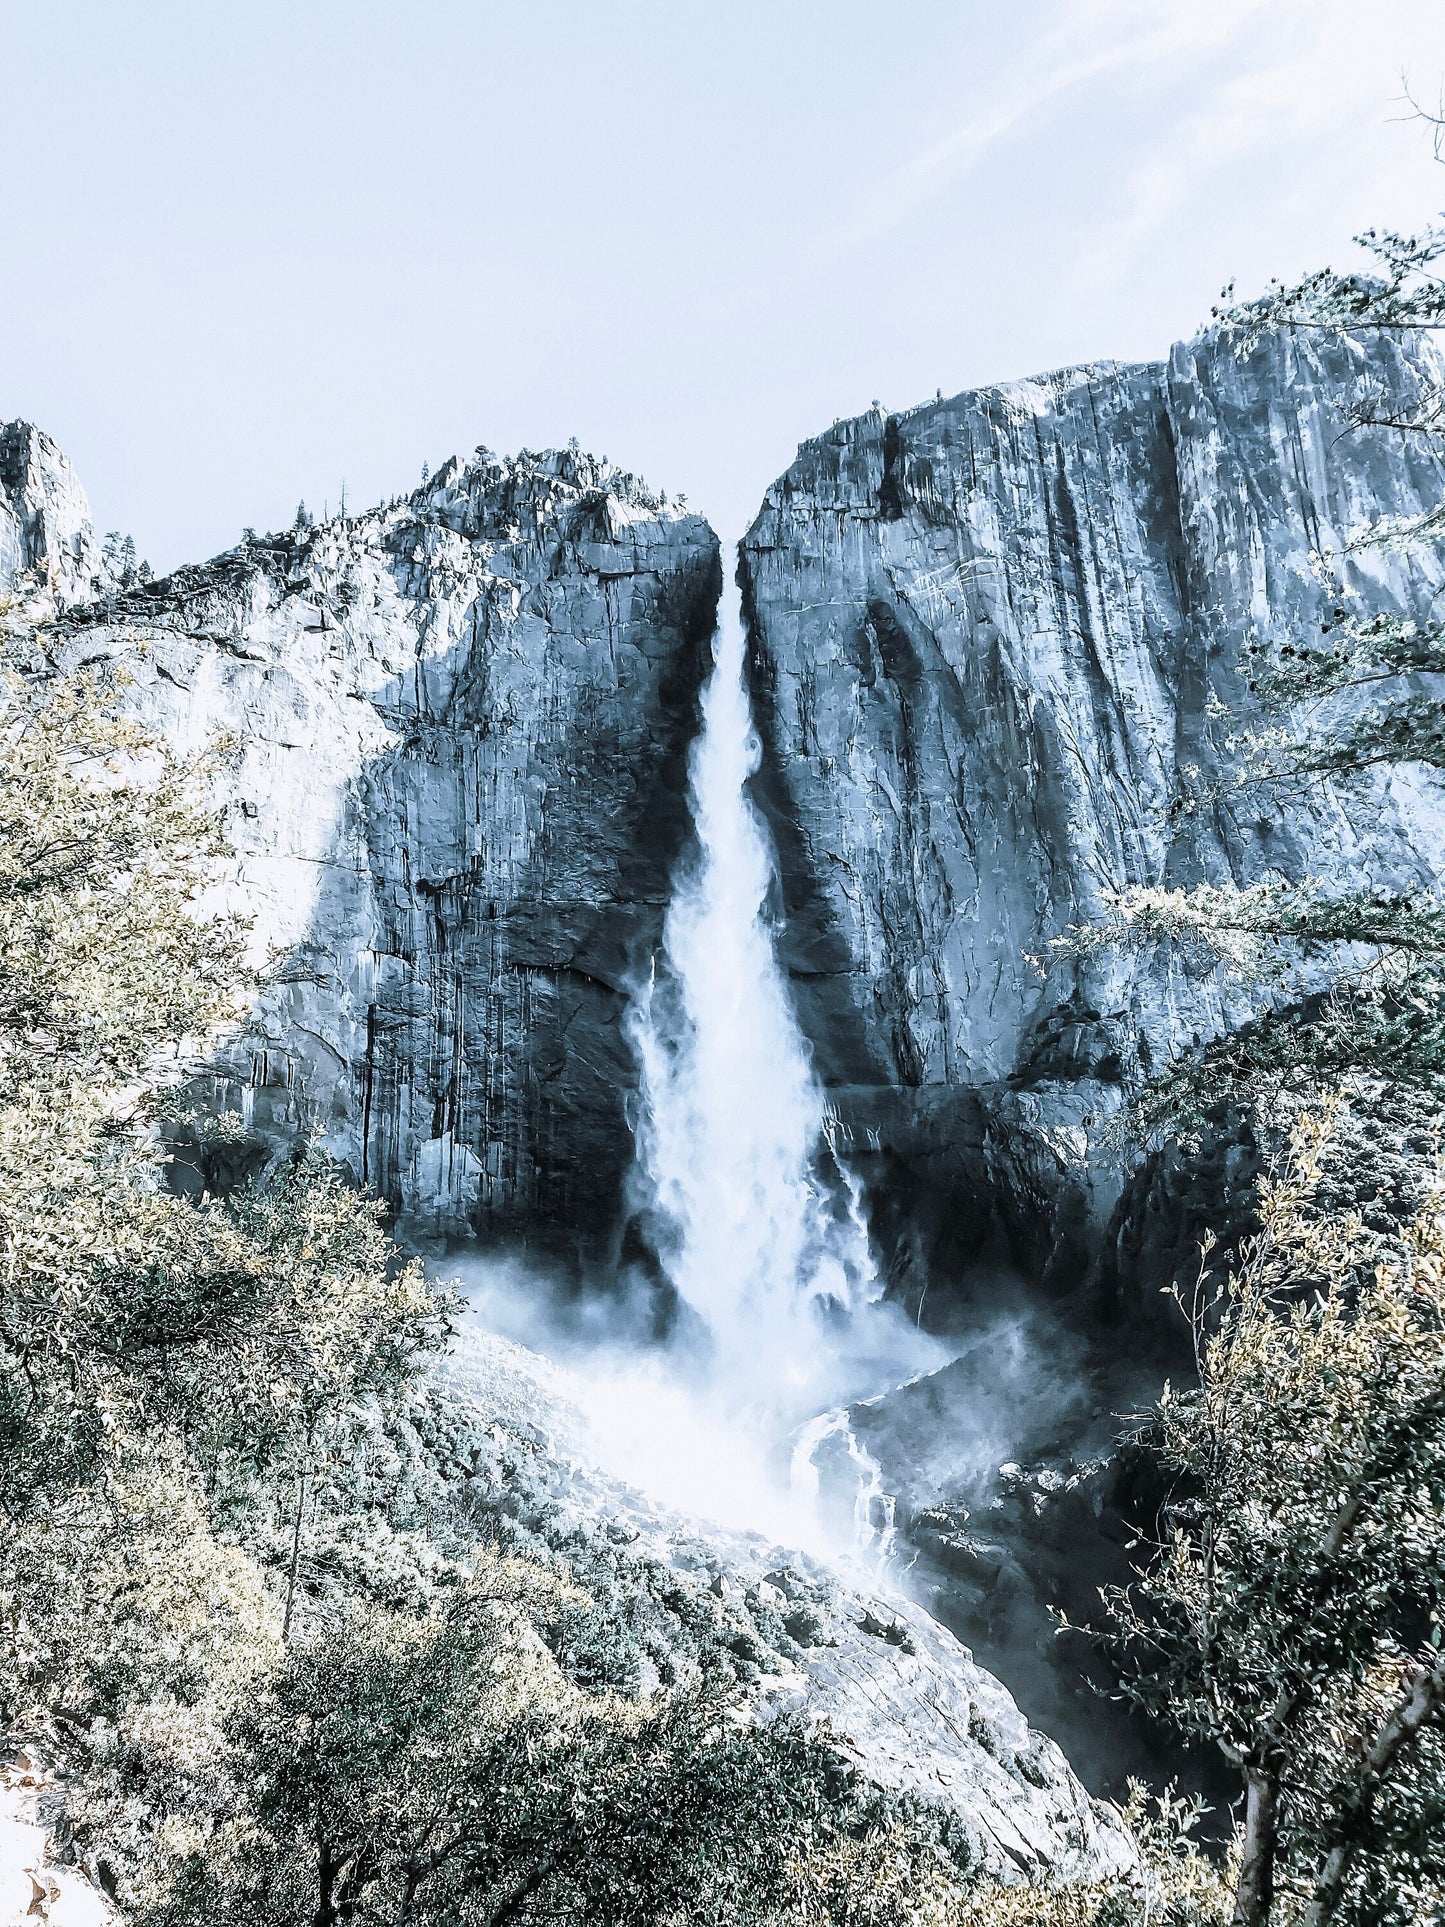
1322,82
1093,39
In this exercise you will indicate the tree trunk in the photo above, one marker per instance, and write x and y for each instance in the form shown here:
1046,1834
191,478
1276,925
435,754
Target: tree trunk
1420,1702
1254,1897
414,1877
325,1880
355,1879
295,1558
517,1899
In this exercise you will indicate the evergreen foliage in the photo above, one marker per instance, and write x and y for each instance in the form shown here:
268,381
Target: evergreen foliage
1292,1614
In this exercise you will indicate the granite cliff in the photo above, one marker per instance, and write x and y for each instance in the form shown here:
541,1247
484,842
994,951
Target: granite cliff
454,735
449,740
997,645
45,527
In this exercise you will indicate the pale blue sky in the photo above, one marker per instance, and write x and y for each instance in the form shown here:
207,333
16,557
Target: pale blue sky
254,250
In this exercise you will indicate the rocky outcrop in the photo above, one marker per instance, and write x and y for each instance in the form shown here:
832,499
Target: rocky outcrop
898,1696
452,771
996,640
1012,1501
45,527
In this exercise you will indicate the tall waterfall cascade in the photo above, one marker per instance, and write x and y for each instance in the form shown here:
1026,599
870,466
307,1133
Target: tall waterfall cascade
762,1231
758,1220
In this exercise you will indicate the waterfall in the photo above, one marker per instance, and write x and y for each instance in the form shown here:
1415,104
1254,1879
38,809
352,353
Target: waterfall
759,1224
873,1522
745,1414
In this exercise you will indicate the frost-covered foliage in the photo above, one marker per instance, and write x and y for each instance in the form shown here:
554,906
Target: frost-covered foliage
1379,1015
1292,1614
1401,291
155,1356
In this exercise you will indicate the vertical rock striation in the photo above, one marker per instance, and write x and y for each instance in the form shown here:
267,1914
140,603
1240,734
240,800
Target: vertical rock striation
454,773
996,643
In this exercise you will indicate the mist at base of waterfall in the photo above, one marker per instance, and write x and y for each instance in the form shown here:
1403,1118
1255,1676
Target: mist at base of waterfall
744,1199
661,1418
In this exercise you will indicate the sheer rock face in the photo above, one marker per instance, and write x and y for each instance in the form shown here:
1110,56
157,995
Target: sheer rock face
994,640
455,787
45,527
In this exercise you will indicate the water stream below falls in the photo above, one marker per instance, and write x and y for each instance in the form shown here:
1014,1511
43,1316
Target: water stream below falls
757,1219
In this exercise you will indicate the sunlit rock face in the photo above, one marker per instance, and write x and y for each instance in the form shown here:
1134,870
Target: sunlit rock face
45,527
996,654
454,783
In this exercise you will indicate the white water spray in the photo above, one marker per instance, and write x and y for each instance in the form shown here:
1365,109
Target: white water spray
873,1524
759,1221
762,1230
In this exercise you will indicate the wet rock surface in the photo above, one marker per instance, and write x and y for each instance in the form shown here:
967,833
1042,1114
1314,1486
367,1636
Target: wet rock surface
1019,1485
997,660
